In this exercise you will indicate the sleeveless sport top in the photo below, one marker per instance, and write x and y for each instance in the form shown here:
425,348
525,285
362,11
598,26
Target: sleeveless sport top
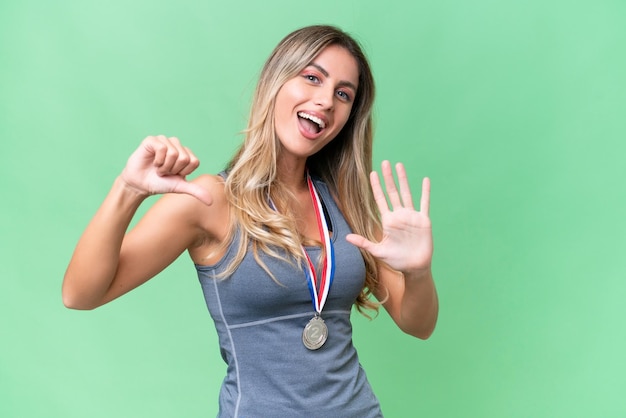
259,322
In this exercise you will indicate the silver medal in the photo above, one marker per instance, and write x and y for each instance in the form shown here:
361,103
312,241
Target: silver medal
315,333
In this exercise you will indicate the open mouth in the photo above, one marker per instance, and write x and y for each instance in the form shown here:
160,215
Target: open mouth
310,123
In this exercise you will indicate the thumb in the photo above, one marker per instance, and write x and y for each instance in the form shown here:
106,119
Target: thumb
360,241
194,190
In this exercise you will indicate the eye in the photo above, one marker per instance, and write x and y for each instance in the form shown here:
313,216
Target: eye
344,95
312,78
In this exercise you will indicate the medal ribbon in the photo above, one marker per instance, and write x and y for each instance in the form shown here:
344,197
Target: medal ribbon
328,263
328,269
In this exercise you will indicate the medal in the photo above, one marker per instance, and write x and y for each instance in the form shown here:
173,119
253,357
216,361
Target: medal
315,332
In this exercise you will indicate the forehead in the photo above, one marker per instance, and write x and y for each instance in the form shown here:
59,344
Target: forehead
338,63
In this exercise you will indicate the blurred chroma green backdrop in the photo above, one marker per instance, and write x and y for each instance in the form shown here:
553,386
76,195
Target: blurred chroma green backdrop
515,110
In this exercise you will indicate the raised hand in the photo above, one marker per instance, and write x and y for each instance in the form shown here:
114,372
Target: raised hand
406,243
160,165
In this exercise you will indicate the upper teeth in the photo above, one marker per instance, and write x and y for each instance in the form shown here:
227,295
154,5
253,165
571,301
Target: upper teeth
312,118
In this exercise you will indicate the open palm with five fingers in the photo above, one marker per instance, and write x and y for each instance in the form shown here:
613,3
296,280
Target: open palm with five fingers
406,243
160,165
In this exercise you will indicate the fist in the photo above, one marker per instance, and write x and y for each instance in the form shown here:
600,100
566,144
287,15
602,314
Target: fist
160,165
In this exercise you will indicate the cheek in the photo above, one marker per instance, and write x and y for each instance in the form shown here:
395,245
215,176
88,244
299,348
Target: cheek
280,109
342,118
285,101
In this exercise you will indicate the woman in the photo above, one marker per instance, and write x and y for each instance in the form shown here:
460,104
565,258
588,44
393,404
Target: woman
285,241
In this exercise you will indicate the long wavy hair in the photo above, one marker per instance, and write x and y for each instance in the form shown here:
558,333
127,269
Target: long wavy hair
343,164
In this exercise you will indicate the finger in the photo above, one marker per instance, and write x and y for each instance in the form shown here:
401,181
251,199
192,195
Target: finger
405,190
360,241
194,190
155,147
390,185
182,160
171,156
194,162
425,200
377,191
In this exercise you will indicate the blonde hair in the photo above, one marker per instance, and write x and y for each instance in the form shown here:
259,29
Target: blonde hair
344,164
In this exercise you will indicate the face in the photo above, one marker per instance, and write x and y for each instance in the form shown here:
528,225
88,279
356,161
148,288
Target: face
312,108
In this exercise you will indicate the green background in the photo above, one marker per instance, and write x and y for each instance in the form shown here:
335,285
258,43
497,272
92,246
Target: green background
515,109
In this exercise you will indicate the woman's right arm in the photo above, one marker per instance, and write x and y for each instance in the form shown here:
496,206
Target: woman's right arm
108,262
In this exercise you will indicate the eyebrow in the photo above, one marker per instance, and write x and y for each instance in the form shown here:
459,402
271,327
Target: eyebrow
341,83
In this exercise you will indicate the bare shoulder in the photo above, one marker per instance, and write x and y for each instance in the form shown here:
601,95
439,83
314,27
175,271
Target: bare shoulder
215,186
190,216
212,220
213,183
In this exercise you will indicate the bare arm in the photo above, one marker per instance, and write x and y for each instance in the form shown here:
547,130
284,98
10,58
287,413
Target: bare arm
410,299
405,248
107,262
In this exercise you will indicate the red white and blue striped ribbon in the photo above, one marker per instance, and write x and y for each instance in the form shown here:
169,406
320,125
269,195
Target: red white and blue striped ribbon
319,294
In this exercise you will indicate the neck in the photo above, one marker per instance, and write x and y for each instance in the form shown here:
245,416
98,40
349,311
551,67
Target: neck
293,175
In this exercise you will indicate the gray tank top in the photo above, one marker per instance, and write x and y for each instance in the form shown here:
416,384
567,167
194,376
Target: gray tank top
259,325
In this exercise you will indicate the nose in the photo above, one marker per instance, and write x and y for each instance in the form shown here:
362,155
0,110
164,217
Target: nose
325,97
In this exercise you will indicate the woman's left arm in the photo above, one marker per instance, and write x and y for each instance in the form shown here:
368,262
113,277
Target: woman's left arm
405,249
